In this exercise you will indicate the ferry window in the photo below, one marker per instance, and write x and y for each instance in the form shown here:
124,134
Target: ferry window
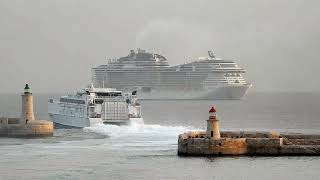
72,101
109,94
227,65
98,101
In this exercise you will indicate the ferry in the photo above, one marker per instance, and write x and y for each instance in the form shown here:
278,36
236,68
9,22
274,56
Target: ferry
95,105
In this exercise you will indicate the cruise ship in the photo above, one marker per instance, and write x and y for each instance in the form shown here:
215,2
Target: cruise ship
95,105
151,75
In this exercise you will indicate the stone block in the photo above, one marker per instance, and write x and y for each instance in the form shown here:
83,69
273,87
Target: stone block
228,146
264,146
231,134
264,142
300,150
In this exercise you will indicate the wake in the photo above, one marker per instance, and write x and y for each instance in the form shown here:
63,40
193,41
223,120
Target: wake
140,138
138,130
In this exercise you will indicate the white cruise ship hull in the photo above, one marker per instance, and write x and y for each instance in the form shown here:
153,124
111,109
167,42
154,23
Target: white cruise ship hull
222,92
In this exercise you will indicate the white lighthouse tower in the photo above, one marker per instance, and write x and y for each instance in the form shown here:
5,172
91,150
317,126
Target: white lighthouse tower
213,127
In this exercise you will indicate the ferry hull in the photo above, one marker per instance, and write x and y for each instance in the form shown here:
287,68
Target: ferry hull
62,121
68,122
62,126
118,123
131,121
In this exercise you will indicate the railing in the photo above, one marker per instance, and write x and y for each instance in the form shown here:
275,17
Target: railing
110,98
9,115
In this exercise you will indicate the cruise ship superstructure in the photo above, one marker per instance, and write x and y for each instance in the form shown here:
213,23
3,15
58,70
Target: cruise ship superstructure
151,75
95,105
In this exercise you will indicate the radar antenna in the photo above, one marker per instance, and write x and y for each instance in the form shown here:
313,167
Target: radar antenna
211,54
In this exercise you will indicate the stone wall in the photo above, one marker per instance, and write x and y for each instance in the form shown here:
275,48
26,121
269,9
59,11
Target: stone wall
300,136
264,146
31,129
4,121
249,134
301,141
228,146
193,134
206,146
249,143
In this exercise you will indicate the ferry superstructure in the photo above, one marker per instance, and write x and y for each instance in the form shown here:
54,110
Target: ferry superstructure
95,105
151,75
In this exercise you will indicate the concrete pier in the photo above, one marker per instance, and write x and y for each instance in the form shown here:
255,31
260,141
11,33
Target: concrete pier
26,125
208,143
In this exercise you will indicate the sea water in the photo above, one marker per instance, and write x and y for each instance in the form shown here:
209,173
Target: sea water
149,151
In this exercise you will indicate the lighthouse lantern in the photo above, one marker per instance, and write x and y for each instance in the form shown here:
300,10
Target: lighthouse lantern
213,128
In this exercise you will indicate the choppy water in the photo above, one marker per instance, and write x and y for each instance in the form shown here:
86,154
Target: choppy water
149,151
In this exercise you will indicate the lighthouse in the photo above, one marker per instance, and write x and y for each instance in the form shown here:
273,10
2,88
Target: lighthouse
27,106
213,127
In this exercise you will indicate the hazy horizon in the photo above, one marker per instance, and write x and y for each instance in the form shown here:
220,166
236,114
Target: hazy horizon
52,45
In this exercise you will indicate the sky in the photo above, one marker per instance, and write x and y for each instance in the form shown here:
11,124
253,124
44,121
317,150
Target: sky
52,45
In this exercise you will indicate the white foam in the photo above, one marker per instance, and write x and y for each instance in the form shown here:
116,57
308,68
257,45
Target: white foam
140,136
137,130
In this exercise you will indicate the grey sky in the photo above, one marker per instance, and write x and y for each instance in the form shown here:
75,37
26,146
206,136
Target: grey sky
53,44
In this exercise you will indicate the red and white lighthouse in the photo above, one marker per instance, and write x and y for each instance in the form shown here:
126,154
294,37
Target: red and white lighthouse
212,113
213,127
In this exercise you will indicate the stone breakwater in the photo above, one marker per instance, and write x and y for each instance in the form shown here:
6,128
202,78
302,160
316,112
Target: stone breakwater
248,143
26,125
213,142
10,127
